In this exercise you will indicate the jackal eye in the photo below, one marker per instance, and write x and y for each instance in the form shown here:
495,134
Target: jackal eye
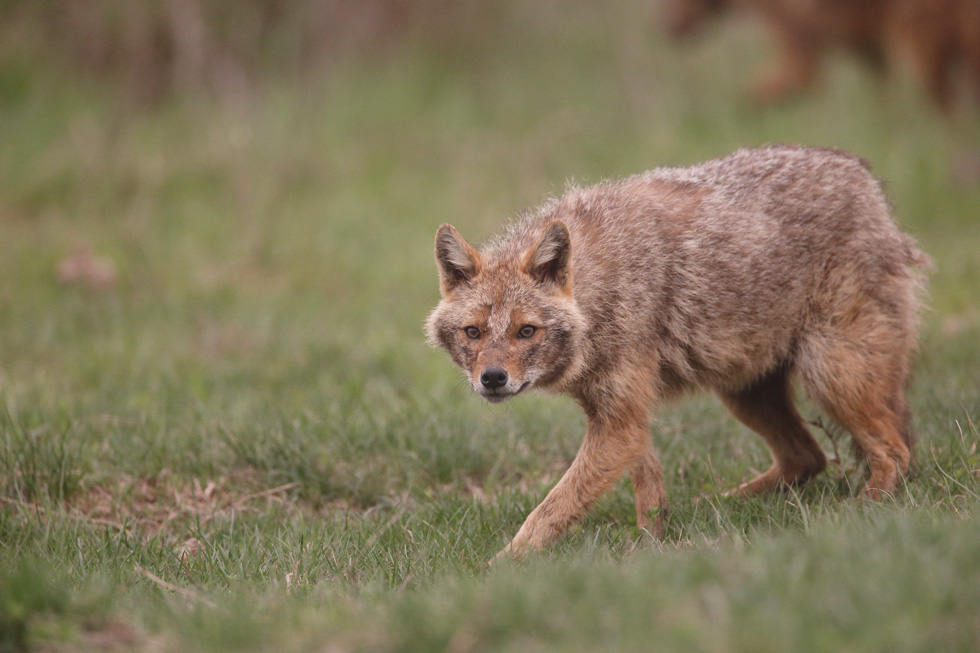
472,332
527,331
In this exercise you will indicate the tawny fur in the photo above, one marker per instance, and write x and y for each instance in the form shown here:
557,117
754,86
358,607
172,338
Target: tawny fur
736,276
938,40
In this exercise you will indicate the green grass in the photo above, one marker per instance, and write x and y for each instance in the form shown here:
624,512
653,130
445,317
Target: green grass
245,443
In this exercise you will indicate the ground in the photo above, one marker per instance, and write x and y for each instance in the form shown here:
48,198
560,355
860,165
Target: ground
221,428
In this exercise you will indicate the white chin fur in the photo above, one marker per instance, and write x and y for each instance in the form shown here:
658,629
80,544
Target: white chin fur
504,394
495,398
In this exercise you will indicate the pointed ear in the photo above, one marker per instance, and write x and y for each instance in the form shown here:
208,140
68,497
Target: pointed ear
458,261
550,260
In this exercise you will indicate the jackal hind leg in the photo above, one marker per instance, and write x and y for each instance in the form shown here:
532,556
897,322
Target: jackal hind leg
766,407
866,395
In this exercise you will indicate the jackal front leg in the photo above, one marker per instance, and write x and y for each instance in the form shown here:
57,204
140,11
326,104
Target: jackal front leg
648,492
607,452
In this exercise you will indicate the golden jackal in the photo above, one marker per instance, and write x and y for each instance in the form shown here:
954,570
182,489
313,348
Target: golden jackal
735,275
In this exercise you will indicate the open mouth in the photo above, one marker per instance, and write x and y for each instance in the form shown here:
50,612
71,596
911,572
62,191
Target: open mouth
497,396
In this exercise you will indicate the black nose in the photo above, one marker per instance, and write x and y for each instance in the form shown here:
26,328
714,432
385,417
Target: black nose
493,377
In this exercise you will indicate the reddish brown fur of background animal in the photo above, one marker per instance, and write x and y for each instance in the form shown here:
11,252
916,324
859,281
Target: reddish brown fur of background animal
938,39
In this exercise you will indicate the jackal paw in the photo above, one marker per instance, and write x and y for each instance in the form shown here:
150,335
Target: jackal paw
780,478
653,522
509,552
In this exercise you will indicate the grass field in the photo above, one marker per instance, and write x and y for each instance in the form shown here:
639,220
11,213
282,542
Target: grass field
245,444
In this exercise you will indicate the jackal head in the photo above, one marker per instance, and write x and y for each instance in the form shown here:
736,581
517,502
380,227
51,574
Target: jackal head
508,318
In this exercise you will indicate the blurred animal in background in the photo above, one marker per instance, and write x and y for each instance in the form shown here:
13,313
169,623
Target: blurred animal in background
939,40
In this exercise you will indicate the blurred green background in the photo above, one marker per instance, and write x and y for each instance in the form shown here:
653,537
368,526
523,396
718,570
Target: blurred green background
216,225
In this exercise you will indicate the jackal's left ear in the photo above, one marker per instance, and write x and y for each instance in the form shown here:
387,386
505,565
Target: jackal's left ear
550,260
458,261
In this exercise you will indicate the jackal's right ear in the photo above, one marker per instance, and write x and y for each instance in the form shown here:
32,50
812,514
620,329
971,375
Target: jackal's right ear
458,261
